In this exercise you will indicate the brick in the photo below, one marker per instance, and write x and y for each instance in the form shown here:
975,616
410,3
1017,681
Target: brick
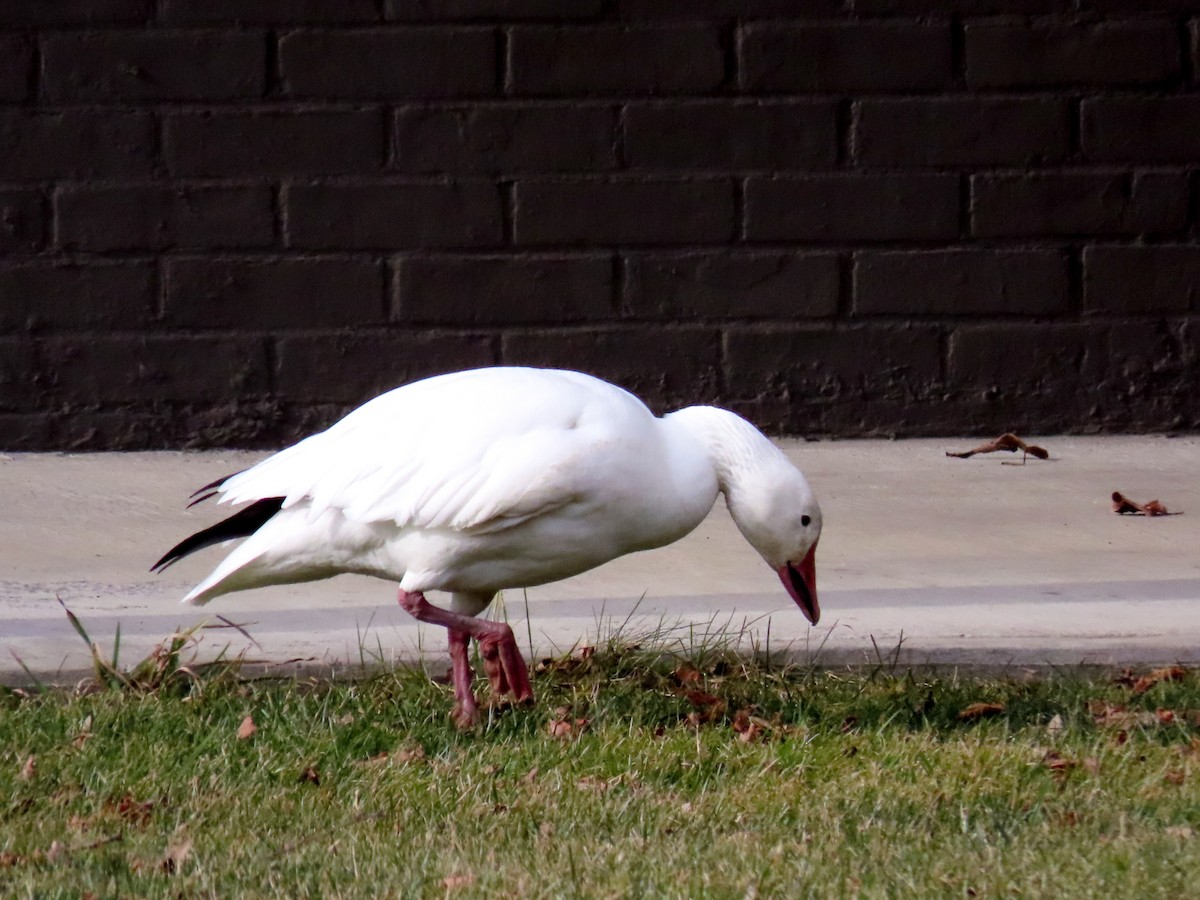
666,367
157,217
720,284
732,135
414,63
742,9
22,220
825,365
508,138
623,211
1071,203
1150,366
852,207
1027,55
16,67
451,10
961,283
19,377
75,144
859,56
1161,278
966,131
26,432
963,7
49,295
393,216
153,65
350,369
1139,7
27,13
232,143
1022,356
1141,129
652,59
505,290
268,12
103,369
281,293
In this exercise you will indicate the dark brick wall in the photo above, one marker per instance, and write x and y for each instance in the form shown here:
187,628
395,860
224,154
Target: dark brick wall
222,222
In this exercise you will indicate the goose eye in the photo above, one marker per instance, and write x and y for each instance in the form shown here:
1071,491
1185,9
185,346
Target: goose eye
805,521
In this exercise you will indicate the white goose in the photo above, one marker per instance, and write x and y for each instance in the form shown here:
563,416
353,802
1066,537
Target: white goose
502,478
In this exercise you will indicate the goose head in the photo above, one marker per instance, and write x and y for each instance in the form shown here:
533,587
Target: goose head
768,497
776,512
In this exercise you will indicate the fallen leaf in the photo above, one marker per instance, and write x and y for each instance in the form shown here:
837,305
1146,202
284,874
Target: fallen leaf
345,719
977,711
1092,764
530,777
1058,764
56,852
9,859
1165,716
1055,725
131,810
451,882
560,728
29,770
586,652
1008,442
709,706
177,853
686,673
1123,506
1169,673
310,775
246,729
1175,776
1180,831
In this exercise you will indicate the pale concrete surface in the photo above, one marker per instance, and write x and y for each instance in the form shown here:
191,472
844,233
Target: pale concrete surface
954,561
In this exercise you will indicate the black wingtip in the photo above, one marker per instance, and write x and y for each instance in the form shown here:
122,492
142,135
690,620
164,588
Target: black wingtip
214,484
240,524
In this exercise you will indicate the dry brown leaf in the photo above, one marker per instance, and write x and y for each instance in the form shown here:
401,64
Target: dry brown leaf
530,777
1175,776
246,729
1180,831
560,728
586,652
1168,673
1164,716
29,769
1123,506
9,859
1092,764
1058,764
686,673
1008,442
452,882
132,811
976,711
1055,725
310,775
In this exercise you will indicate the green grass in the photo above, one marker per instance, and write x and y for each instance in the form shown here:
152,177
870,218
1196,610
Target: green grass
854,784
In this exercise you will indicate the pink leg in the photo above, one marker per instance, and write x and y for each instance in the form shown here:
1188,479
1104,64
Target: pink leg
505,667
466,713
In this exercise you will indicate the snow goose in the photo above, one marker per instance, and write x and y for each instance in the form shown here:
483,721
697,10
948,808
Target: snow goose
502,478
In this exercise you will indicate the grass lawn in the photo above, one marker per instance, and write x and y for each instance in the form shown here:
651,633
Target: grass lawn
633,776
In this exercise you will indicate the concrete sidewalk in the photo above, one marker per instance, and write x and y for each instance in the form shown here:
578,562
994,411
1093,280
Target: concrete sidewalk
953,561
